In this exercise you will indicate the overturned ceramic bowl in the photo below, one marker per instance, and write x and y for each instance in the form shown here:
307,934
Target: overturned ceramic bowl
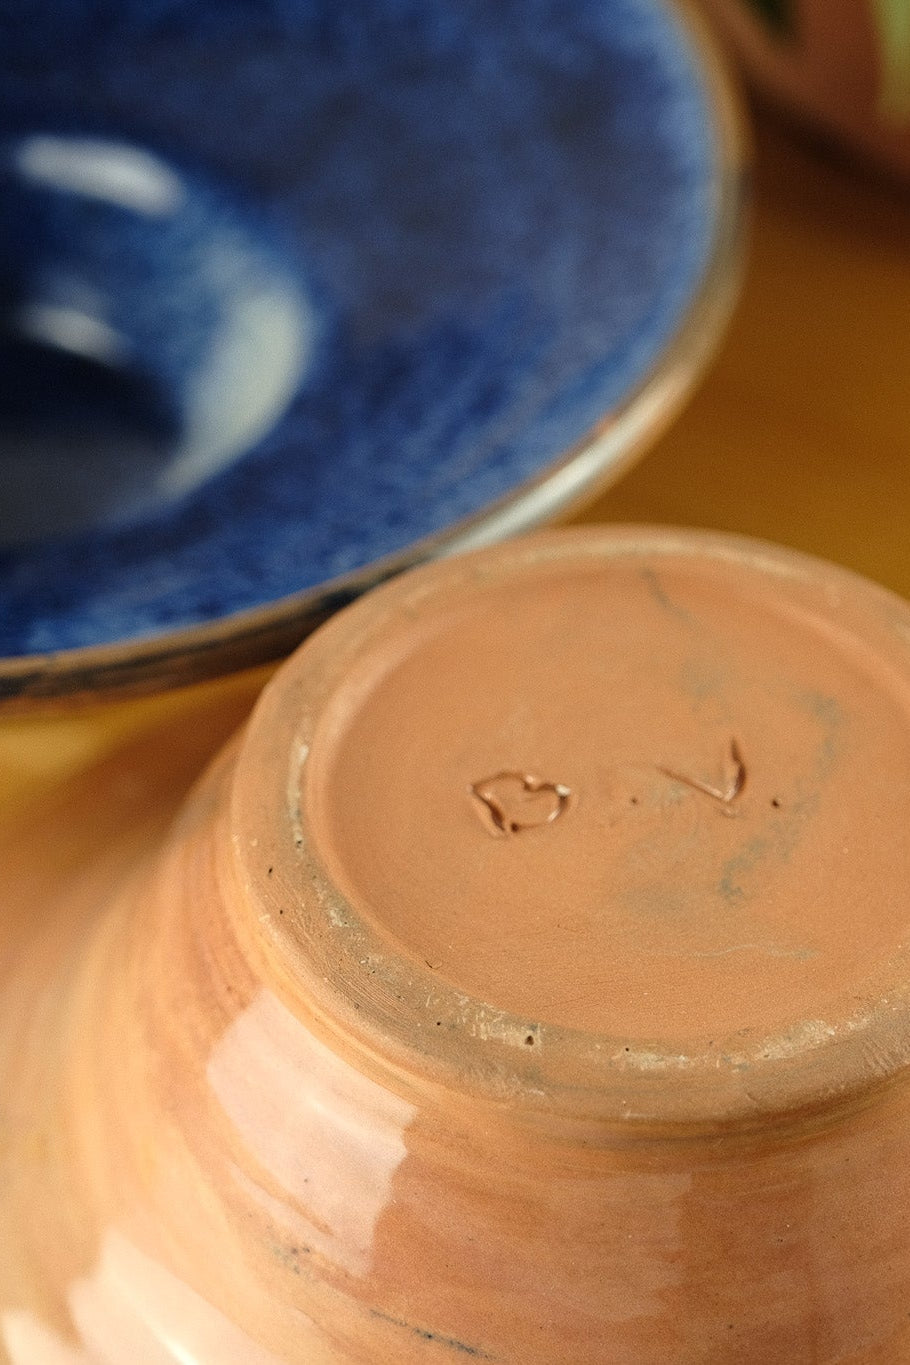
294,295
528,982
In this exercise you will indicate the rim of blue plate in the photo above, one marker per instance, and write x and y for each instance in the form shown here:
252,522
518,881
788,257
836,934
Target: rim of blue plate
265,634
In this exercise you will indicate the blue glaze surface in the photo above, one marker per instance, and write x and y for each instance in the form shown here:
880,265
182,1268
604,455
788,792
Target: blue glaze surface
483,220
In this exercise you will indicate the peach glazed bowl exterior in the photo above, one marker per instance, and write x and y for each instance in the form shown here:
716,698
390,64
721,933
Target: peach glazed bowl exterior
529,982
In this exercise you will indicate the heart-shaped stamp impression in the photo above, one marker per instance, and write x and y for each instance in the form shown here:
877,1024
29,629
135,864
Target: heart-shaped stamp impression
510,802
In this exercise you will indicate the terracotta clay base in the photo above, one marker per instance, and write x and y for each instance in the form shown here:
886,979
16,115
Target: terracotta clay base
529,982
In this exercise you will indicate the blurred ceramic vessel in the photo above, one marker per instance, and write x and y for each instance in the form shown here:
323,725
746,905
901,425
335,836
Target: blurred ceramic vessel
295,295
527,982
841,65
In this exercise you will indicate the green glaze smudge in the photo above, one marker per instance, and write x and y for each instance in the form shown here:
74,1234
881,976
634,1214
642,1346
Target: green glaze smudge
892,19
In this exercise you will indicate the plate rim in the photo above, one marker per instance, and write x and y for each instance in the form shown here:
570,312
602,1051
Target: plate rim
264,634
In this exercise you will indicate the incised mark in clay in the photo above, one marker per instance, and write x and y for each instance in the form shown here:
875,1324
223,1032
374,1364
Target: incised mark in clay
510,802
734,778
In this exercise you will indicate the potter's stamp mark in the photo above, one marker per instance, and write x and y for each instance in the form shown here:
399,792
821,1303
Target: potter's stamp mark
734,778
510,802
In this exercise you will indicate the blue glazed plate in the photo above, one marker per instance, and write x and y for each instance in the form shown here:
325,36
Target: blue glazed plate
294,294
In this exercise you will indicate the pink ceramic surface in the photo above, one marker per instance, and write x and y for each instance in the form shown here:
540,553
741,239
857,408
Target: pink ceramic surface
527,983
843,65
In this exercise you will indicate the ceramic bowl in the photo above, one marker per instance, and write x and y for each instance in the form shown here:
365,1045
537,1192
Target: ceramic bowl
527,982
293,295
842,66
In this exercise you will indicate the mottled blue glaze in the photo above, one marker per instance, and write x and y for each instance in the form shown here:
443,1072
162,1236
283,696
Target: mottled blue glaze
495,215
